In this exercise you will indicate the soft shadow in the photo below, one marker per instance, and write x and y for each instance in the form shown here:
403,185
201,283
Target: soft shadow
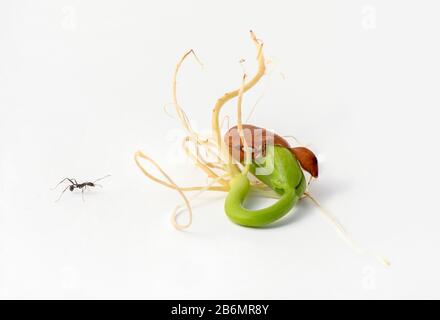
301,211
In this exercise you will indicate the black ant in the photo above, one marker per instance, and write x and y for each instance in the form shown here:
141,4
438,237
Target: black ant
75,185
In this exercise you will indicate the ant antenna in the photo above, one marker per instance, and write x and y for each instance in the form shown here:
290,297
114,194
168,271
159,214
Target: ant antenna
102,178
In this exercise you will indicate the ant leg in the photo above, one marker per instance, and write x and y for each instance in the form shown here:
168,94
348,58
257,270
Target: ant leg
70,180
82,193
62,194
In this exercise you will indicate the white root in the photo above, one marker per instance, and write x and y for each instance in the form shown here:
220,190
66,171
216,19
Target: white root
344,234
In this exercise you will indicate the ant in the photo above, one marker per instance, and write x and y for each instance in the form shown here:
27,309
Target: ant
75,185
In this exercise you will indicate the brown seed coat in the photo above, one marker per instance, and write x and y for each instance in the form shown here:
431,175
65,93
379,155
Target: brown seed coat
257,138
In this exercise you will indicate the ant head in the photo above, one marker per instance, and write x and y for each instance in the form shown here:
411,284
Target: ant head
71,188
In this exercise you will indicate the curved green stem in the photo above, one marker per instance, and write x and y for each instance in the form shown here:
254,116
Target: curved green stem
282,173
255,218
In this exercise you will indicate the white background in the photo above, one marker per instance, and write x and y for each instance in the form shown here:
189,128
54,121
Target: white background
82,87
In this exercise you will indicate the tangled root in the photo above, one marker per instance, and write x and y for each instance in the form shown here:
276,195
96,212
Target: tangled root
219,171
224,167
